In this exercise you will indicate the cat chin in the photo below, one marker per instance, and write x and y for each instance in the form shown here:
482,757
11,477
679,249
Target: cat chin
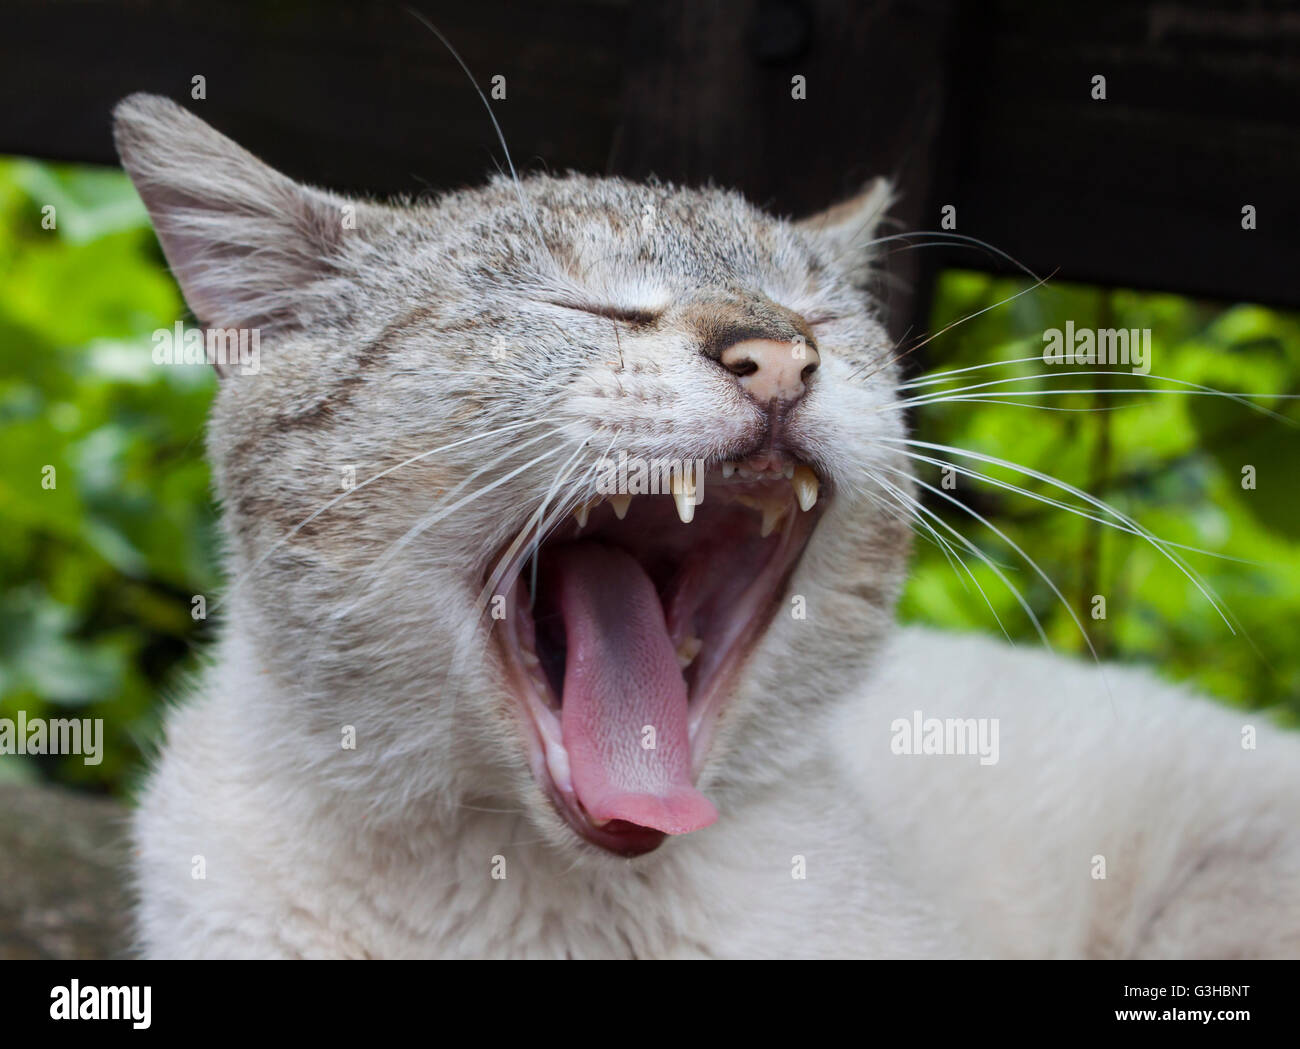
624,638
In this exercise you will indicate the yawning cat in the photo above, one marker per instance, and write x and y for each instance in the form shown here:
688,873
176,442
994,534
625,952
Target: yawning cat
563,541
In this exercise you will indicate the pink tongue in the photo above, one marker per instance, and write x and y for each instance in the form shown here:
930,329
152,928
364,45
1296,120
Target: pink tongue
620,676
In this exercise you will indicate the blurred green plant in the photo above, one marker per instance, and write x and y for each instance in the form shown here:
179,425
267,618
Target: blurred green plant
1173,461
98,572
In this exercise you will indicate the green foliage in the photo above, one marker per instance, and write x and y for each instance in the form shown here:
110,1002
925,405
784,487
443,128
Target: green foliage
1171,461
98,572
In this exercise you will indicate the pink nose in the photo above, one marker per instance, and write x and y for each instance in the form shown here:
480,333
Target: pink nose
768,370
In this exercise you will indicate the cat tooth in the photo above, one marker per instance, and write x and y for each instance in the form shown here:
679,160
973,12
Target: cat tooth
581,515
746,474
688,650
773,515
685,499
788,472
557,763
728,469
806,486
620,503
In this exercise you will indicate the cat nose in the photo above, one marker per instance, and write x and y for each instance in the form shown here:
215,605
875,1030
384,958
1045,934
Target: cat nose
771,370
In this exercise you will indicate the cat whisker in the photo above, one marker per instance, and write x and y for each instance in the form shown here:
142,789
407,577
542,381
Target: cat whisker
374,571
948,327
1133,526
1192,389
440,511
519,190
535,530
560,513
465,655
952,235
1038,407
1049,501
1037,569
984,557
948,237
539,525
900,511
932,377
533,533
330,504
912,507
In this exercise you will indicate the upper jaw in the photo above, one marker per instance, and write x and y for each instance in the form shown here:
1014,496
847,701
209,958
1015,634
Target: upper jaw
721,550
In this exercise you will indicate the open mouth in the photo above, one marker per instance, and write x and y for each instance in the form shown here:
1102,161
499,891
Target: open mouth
624,642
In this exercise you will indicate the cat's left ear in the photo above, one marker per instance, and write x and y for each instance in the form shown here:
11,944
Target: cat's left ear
846,230
250,247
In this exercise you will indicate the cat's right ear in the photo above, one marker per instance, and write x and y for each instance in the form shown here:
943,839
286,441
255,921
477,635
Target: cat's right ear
249,246
847,230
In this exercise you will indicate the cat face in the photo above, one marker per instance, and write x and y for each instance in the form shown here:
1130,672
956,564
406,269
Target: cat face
564,491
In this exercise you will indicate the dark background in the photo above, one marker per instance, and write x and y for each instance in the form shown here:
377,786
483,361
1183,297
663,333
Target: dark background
986,106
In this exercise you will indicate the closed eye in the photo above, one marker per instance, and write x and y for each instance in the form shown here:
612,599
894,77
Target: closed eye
628,315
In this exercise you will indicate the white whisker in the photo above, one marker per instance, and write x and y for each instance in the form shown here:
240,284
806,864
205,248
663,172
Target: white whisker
1036,567
959,320
235,585
1133,525
1194,389
913,504
441,512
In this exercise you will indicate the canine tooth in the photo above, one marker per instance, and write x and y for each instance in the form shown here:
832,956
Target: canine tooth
773,514
620,503
581,515
685,499
728,469
805,486
688,650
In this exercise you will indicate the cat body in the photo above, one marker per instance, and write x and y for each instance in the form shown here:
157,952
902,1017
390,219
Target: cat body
862,853
394,754
288,873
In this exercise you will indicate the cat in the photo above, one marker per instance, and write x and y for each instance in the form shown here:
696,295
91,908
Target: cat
674,727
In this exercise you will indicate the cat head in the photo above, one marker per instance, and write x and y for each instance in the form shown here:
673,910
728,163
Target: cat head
575,492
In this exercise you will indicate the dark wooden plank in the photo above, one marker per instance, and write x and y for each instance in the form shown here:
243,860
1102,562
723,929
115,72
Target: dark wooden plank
1144,189
984,106
364,98
352,96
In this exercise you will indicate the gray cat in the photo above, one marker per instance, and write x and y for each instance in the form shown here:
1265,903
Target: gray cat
564,519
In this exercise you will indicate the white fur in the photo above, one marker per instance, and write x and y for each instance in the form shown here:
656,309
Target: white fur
906,855
1200,835
288,876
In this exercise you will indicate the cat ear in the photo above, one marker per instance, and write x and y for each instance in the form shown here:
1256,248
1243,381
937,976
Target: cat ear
846,230
249,246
